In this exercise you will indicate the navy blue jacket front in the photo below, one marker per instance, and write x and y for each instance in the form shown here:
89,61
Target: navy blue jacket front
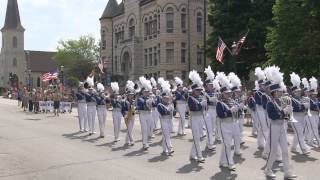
273,110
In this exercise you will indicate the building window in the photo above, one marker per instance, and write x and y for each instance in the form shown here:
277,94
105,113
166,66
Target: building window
116,64
199,22
159,55
154,26
131,29
199,56
183,52
158,23
150,57
183,75
145,57
155,62
14,62
103,38
169,52
14,42
183,20
170,20
169,75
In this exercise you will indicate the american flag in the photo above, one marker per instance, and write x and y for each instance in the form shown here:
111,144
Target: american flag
236,49
49,76
220,50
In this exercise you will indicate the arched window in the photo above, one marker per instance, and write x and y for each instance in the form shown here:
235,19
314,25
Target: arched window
14,62
38,82
183,20
131,28
14,42
199,22
170,19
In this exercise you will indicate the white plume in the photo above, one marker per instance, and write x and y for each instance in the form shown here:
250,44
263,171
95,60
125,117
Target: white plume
153,82
256,85
275,75
160,80
268,72
234,80
216,85
259,73
115,87
90,81
295,79
178,81
305,83
166,87
195,78
223,79
283,87
209,73
100,87
145,83
313,83
130,85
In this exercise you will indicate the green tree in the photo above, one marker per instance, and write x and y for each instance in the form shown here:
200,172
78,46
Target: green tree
78,56
230,20
293,43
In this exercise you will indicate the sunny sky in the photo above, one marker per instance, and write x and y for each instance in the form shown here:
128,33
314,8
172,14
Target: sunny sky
48,21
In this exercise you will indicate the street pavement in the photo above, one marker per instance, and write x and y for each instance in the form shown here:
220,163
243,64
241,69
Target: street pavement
41,147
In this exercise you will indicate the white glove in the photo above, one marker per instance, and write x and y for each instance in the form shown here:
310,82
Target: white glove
241,105
287,110
306,105
204,103
234,109
170,108
149,102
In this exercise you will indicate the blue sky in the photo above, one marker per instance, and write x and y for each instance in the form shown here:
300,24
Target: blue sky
48,21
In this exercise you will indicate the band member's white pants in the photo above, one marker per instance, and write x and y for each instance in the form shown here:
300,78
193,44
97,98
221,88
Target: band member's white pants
166,141
181,108
313,123
196,127
209,130
299,138
91,113
227,126
116,117
212,115
102,115
278,136
82,114
155,117
145,117
129,137
263,129
254,121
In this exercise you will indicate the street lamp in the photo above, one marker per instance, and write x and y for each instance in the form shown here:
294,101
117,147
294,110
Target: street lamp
29,79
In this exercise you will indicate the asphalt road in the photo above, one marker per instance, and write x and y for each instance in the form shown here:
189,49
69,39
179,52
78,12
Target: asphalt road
40,146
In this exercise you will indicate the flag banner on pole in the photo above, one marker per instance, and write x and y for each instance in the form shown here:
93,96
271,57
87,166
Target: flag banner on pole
49,76
100,65
220,50
237,48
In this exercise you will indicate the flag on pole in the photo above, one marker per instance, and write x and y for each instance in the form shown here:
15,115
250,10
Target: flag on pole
100,65
237,48
220,50
49,76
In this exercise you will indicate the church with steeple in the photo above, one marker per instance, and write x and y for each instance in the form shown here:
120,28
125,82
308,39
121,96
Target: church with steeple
19,67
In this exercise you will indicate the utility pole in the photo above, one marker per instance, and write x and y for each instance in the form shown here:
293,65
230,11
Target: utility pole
205,34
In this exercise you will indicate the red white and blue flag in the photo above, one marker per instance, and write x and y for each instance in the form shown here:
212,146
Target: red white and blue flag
220,50
49,76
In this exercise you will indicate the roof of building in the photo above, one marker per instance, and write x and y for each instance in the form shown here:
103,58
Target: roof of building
111,10
12,20
41,61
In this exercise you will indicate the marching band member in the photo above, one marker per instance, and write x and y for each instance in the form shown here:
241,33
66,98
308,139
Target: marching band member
181,104
253,109
155,115
314,109
299,110
210,116
116,102
91,105
226,108
263,125
305,98
128,111
102,102
239,116
144,104
165,109
196,105
277,110
82,108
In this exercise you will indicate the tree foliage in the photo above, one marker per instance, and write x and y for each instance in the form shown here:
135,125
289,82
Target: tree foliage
230,20
293,43
78,56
